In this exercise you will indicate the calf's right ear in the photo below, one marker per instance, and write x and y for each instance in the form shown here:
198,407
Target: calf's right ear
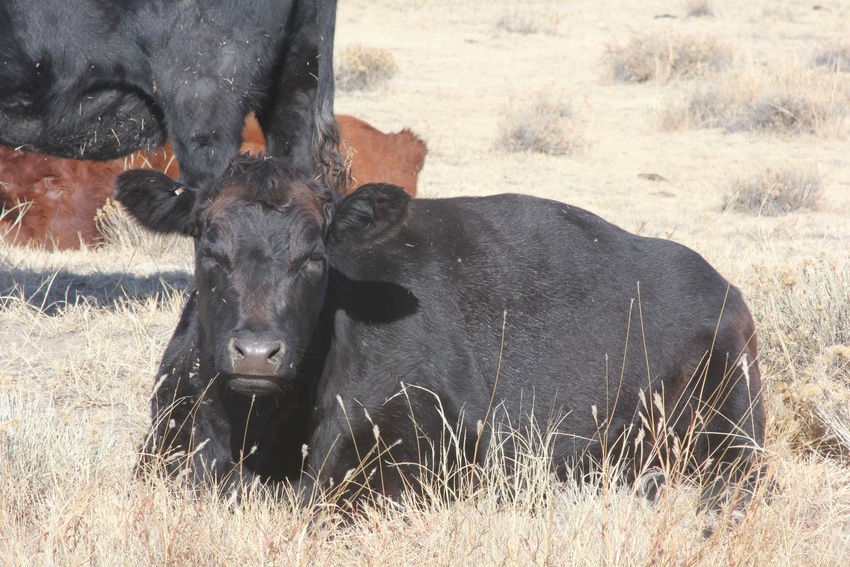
158,202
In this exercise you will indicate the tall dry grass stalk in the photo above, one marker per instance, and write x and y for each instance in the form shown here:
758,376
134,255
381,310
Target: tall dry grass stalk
69,497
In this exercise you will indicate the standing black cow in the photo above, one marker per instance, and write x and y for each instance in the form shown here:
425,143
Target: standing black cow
326,325
98,80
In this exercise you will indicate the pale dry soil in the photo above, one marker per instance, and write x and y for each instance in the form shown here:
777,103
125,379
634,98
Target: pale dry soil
81,333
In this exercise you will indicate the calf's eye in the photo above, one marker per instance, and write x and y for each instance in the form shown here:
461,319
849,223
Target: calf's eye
208,257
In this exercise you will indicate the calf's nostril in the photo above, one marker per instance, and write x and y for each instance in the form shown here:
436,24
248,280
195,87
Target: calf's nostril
277,351
256,357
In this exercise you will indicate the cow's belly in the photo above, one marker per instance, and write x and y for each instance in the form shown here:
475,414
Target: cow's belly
100,125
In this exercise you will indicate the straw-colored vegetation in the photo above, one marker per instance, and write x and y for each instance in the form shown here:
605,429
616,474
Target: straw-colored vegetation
805,337
362,68
546,124
652,57
699,9
530,21
81,333
776,192
783,101
835,57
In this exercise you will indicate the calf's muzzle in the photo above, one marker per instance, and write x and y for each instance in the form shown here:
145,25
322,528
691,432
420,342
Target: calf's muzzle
255,355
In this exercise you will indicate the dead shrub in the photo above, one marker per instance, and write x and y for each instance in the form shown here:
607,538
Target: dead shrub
795,102
527,22
776,192
780,112
699,9
360,68
663,58
835,57
548,125
804,316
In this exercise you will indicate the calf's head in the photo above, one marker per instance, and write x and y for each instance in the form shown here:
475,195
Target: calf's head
263,237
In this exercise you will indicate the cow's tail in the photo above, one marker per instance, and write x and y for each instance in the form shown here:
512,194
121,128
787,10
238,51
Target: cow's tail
327,155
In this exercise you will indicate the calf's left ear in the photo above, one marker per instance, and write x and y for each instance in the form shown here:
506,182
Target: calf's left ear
369,213
158,202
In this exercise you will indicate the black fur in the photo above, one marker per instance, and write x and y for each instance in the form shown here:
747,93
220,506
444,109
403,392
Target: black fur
163,205
481,312
377,207
98,80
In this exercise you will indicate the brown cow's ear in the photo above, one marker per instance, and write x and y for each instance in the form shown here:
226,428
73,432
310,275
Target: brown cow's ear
370,213
158,202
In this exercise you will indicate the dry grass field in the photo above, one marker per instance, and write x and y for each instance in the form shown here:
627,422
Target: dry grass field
719,124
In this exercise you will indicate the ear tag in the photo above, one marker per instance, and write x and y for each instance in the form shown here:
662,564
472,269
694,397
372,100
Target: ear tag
179,191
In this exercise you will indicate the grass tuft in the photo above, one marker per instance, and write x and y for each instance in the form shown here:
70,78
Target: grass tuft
527,21
835,57
795,102
666,57
804,315
699,9
547,125
776,192
362,68
121,231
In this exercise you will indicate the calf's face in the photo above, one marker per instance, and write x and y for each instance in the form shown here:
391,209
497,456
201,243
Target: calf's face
260,272
262,237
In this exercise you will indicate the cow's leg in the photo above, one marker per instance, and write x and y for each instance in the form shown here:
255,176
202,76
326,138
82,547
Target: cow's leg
191,436
298,121
190,440
288,119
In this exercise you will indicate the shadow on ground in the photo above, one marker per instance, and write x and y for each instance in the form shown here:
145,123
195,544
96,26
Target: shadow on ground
51,291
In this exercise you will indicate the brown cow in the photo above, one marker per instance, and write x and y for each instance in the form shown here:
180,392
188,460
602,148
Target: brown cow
52,201
393,158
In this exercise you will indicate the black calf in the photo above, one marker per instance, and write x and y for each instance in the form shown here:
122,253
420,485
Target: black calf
366,324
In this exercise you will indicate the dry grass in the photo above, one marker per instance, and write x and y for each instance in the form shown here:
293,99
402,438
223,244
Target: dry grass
804,312
776,192
119,230
527,21
546,125
666,57
699,9
835,57
360,68
794,101
69,498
